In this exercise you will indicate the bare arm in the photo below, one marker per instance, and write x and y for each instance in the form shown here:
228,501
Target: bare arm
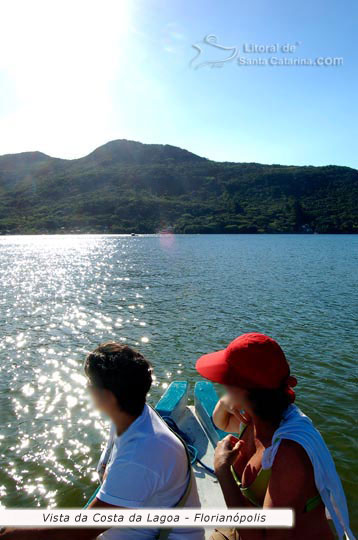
227,417
58,534
287,484
227,452
286,488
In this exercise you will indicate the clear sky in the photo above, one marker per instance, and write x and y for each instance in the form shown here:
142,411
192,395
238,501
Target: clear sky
75,74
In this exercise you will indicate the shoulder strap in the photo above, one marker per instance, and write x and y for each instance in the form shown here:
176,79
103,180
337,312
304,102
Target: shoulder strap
164,533
243,427
102,464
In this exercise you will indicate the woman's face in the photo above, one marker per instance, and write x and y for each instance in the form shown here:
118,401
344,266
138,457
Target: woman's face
237,396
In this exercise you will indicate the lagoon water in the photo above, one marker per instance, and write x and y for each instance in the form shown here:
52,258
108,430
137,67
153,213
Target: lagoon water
173,297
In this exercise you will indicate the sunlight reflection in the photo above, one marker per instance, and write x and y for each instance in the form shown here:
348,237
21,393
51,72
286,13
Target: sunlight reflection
167,239
62,296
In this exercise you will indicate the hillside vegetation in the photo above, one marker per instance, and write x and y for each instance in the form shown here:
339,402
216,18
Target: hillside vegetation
127,186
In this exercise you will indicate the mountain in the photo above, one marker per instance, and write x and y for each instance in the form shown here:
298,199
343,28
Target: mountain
126,186
137,153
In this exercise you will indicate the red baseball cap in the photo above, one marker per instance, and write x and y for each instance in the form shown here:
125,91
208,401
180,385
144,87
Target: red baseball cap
250,361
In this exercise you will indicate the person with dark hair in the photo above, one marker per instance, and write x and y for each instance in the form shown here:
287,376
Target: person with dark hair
145,465
278,459
121,374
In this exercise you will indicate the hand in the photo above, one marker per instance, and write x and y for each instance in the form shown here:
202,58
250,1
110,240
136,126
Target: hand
227,451
235,410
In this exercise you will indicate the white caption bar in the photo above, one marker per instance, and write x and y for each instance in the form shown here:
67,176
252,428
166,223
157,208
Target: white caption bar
147,518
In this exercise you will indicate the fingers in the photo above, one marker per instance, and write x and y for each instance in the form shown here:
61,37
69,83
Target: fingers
239,446
242,417
228,450
228,442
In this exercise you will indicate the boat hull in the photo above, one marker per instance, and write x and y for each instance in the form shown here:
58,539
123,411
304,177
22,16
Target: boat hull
195,421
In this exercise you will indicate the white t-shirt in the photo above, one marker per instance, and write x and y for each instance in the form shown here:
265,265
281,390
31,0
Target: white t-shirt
147,468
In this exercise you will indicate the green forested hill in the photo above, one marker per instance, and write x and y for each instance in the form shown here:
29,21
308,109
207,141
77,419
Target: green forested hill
126,186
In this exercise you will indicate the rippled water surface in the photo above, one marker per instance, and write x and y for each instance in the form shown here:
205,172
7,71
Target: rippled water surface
173,297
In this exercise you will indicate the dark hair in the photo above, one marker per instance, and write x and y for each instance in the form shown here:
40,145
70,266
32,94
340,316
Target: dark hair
270,404
123,371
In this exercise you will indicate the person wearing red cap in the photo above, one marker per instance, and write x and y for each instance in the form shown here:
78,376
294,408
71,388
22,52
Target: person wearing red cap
259,392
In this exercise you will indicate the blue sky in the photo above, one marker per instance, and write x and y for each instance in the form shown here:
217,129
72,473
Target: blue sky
74,75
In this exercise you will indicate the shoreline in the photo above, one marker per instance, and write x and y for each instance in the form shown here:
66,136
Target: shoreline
163,233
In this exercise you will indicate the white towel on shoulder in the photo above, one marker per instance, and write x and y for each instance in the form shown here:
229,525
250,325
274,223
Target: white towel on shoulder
296,426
